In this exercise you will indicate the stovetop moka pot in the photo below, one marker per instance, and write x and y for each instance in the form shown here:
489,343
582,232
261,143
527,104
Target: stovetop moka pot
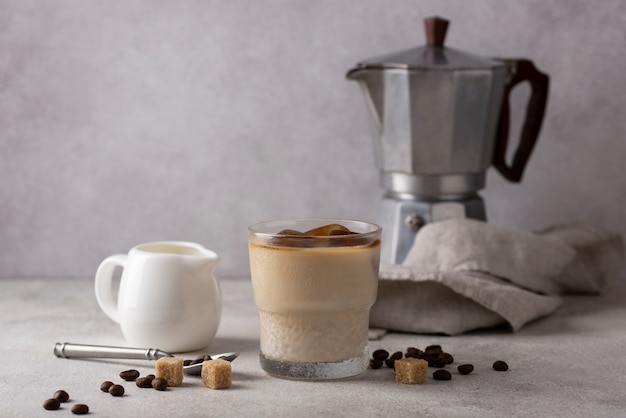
441,119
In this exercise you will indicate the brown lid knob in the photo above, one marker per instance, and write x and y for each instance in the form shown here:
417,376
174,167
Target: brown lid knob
436,28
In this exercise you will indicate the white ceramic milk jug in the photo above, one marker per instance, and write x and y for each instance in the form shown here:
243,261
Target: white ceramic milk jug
168,295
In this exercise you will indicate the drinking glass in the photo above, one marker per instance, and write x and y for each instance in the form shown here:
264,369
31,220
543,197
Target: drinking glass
314,283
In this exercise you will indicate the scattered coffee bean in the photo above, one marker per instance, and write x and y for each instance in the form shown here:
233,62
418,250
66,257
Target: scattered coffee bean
433,349
380,354
129,375
442,375
446,357
116,390
441,360
465,368
376,363
428,358
144,382
105,386
159,384
80,409
390,362
61,395
413,352
500,366
150,376
51,404
434,355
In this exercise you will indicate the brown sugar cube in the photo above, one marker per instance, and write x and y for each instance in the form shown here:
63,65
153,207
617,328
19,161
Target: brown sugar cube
217,374
170,369
411,370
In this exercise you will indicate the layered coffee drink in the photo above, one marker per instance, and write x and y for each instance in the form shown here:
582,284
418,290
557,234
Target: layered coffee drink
314,283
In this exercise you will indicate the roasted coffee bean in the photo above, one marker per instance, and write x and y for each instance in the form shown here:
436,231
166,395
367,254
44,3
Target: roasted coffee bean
144,382
187,362
433,349
376,363
159,384
465,368
390,362
440,362
500,366
442,375
116,390
413,352
430,358
380,354
150,376
80,409
129,375
61,395
105,386
51,404
443,359
447,358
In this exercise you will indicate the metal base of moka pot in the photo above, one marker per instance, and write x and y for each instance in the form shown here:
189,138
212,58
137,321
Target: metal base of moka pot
413,201
401,218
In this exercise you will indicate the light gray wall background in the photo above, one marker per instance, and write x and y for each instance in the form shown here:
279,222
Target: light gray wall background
129,121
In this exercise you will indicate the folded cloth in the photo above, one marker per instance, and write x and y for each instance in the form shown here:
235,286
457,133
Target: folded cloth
599,257
461,275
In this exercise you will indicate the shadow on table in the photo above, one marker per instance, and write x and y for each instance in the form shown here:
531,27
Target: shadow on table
227,344
580,313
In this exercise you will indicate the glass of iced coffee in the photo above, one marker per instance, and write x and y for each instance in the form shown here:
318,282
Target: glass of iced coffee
314,282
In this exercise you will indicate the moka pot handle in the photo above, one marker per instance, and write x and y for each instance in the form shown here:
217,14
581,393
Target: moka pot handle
522,70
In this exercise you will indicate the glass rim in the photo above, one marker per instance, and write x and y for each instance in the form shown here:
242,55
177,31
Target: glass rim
254,228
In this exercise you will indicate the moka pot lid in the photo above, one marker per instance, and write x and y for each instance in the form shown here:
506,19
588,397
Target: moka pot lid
433,56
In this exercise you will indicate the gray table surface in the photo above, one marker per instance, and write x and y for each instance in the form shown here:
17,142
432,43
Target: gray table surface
569,364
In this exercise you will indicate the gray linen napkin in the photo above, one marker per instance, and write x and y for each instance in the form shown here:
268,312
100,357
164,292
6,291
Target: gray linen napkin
461,275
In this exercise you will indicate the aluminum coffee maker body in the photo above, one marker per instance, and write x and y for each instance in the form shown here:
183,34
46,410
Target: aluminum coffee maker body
437,116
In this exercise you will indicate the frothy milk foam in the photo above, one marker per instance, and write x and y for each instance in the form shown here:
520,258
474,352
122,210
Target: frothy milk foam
314,302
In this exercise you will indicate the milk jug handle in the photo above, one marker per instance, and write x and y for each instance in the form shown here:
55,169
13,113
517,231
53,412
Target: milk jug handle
521,70
103,285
